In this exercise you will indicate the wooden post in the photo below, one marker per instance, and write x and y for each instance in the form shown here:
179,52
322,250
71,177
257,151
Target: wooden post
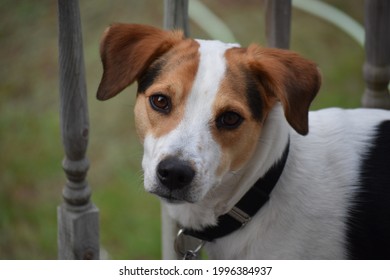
376,69
169,231
78,218
175,17
278,21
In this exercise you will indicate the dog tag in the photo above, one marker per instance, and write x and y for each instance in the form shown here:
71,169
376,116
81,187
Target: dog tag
187,254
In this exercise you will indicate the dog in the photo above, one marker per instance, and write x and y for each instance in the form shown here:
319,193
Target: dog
229,148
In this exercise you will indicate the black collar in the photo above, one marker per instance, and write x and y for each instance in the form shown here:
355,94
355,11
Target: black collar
247,207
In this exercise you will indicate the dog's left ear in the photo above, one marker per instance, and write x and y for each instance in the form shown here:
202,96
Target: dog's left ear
292,79
127,50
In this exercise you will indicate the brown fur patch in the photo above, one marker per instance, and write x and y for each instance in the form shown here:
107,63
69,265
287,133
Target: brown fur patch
175,81
255,79
127,50
238,144
290,78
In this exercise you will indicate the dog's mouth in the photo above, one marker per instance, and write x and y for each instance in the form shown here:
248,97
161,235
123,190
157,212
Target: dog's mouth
172,197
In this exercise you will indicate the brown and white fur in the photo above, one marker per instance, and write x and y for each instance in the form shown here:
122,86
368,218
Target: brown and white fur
220,116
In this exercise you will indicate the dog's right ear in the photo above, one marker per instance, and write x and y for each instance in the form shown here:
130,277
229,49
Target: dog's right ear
292,79
127,50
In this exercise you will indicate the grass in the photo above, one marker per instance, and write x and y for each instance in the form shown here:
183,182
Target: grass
31,177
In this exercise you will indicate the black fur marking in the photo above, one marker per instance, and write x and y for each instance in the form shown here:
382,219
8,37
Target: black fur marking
253,96
368,233
150,75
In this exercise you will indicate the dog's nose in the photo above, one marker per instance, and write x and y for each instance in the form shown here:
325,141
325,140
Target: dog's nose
174,173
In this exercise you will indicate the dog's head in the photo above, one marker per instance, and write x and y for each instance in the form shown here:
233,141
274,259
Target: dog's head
201,105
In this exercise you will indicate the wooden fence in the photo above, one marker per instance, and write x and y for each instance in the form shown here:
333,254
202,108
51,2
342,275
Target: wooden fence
78,218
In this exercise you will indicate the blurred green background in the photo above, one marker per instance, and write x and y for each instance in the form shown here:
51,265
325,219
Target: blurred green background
31,176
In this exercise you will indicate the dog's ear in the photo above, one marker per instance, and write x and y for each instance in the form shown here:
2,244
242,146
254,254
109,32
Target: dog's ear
127,50
292,79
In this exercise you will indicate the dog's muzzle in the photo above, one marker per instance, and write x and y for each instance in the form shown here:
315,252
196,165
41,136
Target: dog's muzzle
175,174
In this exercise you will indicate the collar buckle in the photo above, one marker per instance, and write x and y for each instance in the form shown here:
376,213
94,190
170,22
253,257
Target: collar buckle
239,215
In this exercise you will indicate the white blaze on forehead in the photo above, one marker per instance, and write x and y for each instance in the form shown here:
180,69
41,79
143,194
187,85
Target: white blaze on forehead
211,70
194,128
212,67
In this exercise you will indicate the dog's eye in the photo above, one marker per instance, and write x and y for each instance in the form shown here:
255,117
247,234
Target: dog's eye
229,120
160,103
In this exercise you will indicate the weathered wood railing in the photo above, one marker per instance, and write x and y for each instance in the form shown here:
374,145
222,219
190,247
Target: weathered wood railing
78,225
278,23
78,218
377,47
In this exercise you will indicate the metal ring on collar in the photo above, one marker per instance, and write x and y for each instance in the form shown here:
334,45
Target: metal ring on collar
183,251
